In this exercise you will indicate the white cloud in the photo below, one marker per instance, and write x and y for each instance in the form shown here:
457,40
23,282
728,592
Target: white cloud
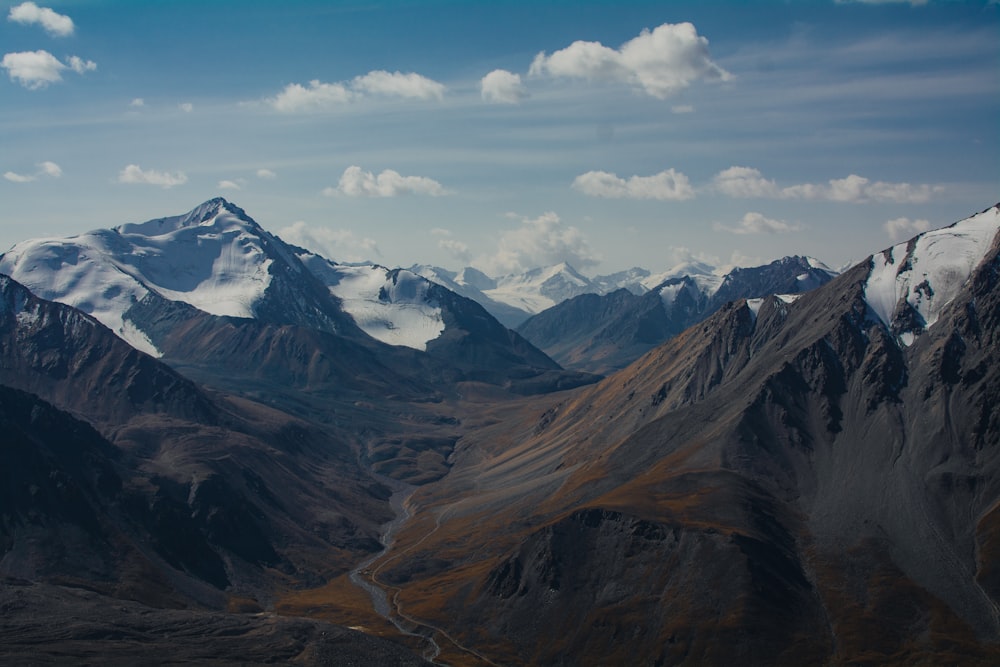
137,103
666,185
133,173
186,107
456,249
502,87
682,108
660,62
266,174
355,182
756,223
901,228
55,24
37,69
229,185
541,241
79,65
316,97
50,169
339,244
319,96
33,69
746,182
397,84
47,169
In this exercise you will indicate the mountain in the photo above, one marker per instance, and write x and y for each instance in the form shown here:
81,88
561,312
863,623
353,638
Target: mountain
212,287
600,334
514,297
790,481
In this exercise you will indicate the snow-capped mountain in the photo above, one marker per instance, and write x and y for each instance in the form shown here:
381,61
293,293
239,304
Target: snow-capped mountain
214,258
213,287
513,298
601,333
910,283
220,261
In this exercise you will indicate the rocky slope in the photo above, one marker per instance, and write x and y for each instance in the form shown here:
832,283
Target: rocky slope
785,483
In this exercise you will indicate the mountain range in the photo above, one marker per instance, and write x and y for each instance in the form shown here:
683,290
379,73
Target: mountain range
783,465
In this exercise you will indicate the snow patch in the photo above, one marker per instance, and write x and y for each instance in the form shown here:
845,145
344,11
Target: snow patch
930,270
393,307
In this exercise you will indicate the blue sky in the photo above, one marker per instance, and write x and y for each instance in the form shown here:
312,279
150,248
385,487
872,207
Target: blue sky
507,135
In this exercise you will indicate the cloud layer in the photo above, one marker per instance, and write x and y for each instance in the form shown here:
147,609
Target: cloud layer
320,96
660,63
356,182
45,169
902,228
541,241
341,245
666,185
749,183
28,13
756,223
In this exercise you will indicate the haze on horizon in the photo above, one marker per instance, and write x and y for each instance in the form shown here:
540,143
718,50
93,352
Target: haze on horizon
507,135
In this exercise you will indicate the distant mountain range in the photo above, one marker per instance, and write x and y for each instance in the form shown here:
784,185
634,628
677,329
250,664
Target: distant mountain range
783,465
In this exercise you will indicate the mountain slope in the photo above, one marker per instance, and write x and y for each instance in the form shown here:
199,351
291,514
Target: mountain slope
205,495
600,334
791,484
179,286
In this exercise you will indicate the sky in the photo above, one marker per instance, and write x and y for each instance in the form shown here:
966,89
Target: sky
507,135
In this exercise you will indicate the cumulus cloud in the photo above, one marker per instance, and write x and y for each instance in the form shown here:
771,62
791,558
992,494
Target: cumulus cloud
457,249
186,107
28,13
746,182
320,96
355,182
79,65
397,84
135,174
756,223
37,69
230,185
901,228
45,169
137,103
541,241
338,244
660,63
666,185
502,87
317,96
266,174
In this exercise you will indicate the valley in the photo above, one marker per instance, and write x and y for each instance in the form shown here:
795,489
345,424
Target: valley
282,458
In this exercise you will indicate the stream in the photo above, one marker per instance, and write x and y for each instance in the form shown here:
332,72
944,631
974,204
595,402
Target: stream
361,577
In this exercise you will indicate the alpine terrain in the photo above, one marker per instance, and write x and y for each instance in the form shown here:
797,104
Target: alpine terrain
220,448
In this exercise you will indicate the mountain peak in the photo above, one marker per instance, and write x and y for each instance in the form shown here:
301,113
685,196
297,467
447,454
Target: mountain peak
201,215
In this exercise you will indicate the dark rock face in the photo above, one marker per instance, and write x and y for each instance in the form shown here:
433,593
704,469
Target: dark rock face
601,334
